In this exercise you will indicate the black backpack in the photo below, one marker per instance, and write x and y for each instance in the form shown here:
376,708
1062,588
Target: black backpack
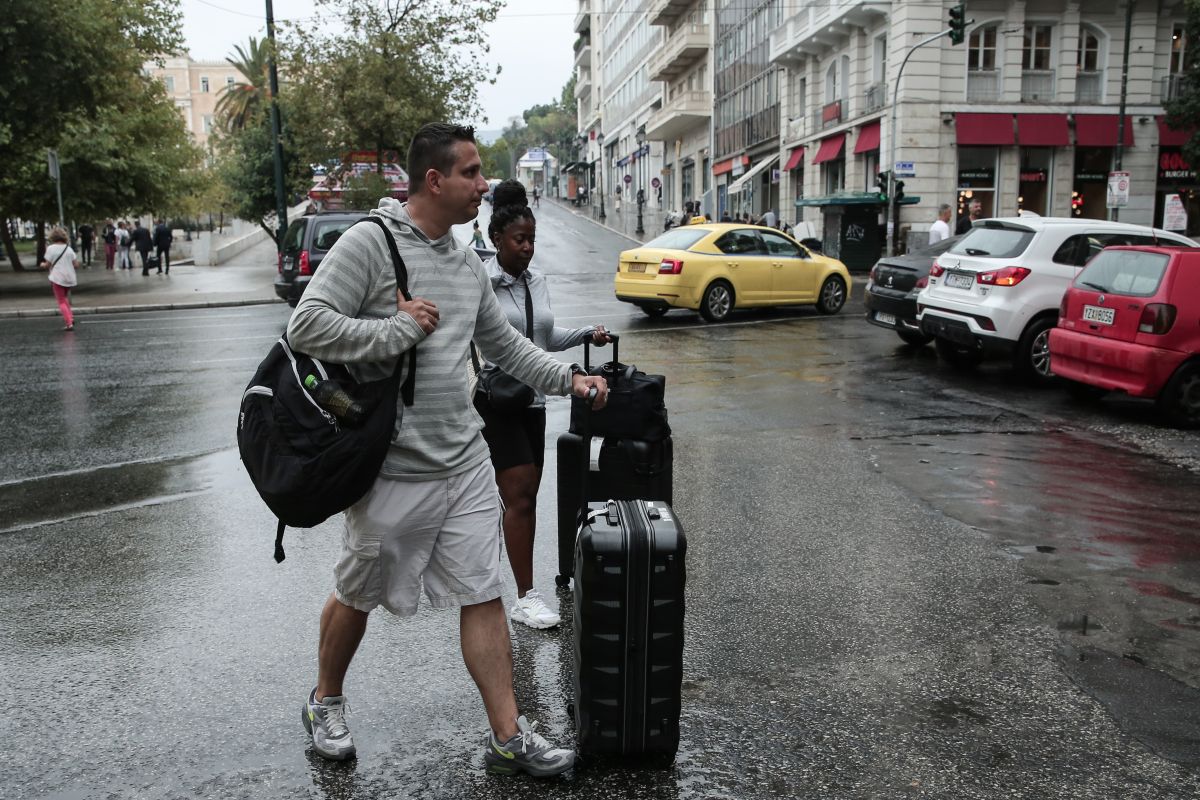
304,463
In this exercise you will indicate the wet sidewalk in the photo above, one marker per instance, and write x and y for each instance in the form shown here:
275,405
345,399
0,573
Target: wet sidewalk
622,221
247,280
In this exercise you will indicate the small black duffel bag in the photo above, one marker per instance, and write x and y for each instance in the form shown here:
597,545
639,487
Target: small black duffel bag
306,465
635,408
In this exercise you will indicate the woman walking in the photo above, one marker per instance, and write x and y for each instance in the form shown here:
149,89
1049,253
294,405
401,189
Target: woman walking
517,438
61,261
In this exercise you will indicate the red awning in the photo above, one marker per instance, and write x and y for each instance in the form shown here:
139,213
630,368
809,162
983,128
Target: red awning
1100,130
1169,137
721,167
989,130
868,138
795,159
1043,130
830,148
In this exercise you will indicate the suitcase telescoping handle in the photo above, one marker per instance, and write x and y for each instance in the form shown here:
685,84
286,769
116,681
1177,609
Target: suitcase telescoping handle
585,434
615,338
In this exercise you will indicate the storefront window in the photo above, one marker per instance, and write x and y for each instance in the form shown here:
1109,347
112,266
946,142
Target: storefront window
977,179
1177,178
870,160
688,182
835,175
1089,195
797,179
1033,187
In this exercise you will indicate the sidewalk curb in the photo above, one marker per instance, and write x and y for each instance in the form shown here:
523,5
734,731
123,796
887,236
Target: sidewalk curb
22,313
598,223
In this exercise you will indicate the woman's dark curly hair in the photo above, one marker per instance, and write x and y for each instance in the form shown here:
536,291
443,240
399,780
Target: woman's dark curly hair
509,204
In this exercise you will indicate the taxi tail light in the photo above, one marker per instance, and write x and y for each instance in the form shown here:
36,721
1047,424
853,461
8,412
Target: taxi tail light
1008,276
922,282
305,267
1157,318
280,262
936,271
1062,307
670,266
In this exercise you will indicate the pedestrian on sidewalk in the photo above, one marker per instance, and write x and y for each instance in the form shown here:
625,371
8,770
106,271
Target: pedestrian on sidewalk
86,235
433,515
110,244
617,200
141,242
477,235
535,200
940,229
61,261
516,438
974,212
123,242
162,241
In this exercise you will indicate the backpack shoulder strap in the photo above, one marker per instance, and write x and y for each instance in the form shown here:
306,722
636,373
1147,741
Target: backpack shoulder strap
406,389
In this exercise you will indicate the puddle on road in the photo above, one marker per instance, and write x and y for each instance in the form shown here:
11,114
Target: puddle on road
62,497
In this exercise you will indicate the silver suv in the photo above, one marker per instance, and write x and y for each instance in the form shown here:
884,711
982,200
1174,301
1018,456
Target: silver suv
998,289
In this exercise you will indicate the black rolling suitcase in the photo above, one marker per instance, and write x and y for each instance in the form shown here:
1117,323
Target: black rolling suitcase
628,627
628,469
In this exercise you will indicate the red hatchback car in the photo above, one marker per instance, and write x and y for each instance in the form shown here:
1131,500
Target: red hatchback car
1131,322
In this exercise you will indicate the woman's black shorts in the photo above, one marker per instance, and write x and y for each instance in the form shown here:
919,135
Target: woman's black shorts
514,438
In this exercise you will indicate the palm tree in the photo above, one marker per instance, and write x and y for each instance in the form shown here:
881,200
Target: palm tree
240,100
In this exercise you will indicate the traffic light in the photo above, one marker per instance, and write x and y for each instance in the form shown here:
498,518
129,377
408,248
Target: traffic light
899,191
958,23
881,181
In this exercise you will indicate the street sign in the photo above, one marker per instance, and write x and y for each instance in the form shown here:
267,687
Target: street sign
628,179
1174,214
655,183
1118,189
52,162
905,169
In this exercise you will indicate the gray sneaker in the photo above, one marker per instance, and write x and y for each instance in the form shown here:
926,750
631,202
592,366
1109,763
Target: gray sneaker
526,752
326,723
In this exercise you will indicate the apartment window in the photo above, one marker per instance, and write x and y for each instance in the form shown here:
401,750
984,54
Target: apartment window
831,83
229,81
1178,48
880,64
204,85
169,82
1089,81
1035,53
1089,50
208,123
981,49
835,175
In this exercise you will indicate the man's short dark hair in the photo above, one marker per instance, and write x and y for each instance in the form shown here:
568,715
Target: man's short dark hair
433,148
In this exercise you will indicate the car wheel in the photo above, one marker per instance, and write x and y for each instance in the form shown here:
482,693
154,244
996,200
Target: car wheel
915,338
1084,392
833,295
958,356
1179,401
717,301
654,312
1032,357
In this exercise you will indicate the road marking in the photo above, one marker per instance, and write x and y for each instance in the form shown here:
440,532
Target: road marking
170,328
133,316
152,501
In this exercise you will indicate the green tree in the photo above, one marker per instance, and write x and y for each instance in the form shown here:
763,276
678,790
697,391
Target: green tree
72,69
1183,113
247,167
392,67
239,101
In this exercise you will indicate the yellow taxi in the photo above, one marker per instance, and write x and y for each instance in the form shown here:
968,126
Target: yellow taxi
715,267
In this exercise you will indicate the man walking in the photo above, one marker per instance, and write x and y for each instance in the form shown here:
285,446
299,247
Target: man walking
432,519
975,211
162,241
87,235
940,229
141,242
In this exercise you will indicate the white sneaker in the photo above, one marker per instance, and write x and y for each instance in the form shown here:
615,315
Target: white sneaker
532,610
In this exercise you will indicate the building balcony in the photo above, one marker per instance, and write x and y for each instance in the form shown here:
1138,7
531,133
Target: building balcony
1037,86
875,98
583,20
1089,87
983,85
828,116
583,53
679,115
583,84
683,48
817,27
666,12
1172,85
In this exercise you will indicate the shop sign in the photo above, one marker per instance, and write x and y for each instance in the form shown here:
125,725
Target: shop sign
985,176
1174,214
1033,176
1118,189
1172,166
1090,177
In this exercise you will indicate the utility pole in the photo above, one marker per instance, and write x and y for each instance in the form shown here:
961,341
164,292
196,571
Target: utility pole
276,130
1115,212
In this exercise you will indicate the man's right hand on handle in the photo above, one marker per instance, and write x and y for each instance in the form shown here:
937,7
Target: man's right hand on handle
423,311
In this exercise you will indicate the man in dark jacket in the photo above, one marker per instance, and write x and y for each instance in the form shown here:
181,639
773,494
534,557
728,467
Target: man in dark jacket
162,240
87,235
140,238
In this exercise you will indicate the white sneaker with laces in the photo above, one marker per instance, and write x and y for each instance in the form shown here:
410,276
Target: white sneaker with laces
532,610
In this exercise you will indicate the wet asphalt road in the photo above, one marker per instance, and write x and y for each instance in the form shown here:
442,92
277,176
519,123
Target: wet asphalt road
903,581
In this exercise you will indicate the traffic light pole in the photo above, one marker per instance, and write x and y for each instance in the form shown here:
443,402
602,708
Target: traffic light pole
891,166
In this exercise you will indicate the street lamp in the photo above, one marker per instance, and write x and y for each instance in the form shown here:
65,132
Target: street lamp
641,192
600,142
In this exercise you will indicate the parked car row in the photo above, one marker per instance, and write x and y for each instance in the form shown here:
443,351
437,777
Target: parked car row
1011,287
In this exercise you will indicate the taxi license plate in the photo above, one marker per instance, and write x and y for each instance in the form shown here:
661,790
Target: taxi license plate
958,281
637,267
886,319
1104,316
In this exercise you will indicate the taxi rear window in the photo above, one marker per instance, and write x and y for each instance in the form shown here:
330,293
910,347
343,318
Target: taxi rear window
678,239
1126,272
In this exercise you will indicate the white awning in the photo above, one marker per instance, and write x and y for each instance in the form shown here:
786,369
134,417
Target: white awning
737,185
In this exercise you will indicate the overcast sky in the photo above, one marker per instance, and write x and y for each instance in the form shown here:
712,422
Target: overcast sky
531,40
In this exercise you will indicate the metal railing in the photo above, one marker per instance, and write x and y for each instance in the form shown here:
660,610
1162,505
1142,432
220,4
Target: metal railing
876,97
983,84
1089,87
1037,85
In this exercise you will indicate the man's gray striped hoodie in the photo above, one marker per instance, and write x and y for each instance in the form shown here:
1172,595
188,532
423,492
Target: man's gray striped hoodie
348,315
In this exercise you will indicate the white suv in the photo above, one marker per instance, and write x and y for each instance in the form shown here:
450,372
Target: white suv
998,289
